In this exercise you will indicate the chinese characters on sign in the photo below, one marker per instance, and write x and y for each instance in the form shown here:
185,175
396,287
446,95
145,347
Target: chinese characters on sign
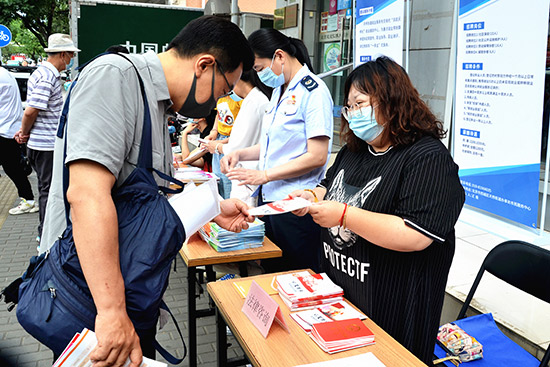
496,138
379,30
144,47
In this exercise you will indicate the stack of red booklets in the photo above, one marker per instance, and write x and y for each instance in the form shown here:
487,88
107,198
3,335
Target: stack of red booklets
303,290
341,335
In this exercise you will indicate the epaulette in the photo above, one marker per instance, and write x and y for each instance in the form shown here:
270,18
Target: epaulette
309,83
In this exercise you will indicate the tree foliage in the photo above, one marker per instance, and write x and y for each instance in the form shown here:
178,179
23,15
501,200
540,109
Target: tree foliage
40,17
23,41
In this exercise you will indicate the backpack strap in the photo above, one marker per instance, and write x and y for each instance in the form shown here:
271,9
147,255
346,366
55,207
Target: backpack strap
163,352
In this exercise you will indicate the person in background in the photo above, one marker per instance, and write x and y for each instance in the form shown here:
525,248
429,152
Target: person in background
388,206
11,113
294,146
228,110
204,125
44,104
246,128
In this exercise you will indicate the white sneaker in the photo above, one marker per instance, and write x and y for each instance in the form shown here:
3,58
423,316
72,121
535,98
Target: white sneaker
24,207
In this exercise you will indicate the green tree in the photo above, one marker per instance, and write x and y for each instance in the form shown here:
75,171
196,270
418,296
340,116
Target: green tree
23,41
40,17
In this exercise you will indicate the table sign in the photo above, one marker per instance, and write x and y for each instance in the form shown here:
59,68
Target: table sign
261,309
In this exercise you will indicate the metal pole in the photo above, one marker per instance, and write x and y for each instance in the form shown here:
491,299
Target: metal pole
352,30
235,11
545,190
408,28
74,33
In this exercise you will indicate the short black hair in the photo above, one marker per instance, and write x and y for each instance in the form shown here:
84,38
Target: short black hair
216,36
117,49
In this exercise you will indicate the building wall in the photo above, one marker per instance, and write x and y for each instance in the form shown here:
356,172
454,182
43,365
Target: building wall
430,45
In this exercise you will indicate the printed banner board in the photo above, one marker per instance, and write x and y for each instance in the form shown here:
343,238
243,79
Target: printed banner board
378,30
501,55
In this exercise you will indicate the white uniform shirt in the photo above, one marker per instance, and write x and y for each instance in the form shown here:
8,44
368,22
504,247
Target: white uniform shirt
304,111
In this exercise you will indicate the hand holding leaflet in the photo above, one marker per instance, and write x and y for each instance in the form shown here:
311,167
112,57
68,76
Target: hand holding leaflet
78,351
196,205
281,206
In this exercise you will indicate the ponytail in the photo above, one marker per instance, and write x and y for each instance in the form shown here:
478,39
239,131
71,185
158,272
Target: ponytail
300,52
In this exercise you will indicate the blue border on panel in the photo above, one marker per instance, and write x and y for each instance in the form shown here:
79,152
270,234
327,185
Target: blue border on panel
510,191
467,5
376,4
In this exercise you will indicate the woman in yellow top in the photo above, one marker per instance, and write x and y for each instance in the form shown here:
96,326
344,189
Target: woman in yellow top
228,109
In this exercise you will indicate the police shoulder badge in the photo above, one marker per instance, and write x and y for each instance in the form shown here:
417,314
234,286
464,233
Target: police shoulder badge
309,83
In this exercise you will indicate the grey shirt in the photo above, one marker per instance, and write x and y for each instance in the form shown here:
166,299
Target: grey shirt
105,124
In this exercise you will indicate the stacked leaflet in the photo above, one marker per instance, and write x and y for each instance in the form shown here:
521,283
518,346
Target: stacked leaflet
341,335
223,240
326,313
303,290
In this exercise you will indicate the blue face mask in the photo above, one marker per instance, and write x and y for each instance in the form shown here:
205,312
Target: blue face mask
70,64
364,124
235,97
269,78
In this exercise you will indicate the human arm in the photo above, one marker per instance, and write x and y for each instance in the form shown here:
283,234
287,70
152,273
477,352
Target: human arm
234,215
314,157
29,118
424,207
229,161
215,145
214,132
183,140
384,230
95,231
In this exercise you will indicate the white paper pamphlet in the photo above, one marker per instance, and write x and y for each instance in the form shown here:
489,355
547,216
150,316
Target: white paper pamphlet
280,207
78,352
361,360
196,205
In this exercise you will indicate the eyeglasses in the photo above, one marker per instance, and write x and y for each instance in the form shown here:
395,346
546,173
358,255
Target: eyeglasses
353,110
224,78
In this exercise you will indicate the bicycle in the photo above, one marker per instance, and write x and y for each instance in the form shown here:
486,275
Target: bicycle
4,37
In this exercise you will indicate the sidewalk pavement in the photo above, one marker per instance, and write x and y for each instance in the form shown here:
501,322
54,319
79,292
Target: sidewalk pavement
18,244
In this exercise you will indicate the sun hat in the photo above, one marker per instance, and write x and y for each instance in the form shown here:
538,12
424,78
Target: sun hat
59,42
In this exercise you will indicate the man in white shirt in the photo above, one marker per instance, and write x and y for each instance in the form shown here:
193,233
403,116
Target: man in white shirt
11,113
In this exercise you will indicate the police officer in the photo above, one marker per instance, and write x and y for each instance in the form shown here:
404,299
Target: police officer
294,147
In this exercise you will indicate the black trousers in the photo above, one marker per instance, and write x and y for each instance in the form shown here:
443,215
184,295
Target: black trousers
10,160
42,163
298,237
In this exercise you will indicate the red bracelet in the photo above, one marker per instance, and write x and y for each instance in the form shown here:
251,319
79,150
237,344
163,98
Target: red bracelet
343,214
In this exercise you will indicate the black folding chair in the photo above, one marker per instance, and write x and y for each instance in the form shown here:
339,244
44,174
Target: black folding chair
521,264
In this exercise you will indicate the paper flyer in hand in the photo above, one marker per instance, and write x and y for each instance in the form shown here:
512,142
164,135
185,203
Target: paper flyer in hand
280,207
78,352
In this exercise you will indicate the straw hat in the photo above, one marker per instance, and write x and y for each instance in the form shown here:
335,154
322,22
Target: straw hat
59,42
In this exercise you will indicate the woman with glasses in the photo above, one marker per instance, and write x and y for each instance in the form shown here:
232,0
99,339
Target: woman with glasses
388,206
294,145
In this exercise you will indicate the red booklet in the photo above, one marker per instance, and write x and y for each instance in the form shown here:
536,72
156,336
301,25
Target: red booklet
341,335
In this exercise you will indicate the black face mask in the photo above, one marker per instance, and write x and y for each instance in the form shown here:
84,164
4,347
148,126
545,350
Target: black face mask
193,109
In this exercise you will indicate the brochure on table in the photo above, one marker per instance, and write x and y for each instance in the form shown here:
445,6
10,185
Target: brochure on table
361,360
